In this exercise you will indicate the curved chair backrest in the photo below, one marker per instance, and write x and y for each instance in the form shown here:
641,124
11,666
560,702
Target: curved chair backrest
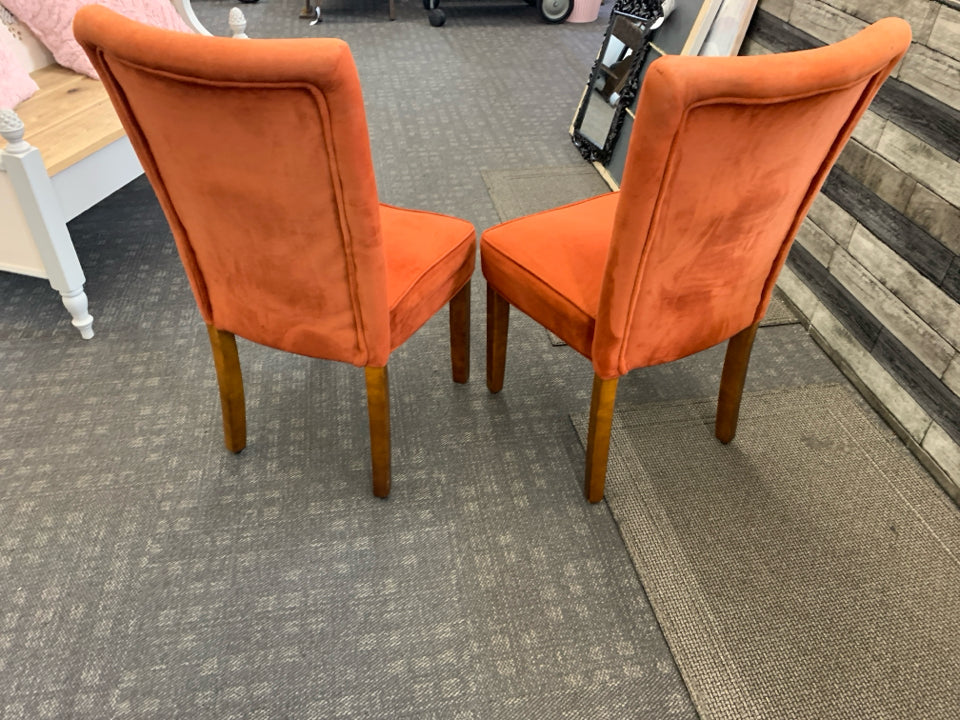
725,157
259,154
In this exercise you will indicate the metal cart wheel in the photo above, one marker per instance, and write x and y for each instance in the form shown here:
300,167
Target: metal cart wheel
555,11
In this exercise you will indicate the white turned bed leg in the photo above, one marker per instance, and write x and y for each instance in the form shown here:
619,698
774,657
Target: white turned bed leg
41,209
76,304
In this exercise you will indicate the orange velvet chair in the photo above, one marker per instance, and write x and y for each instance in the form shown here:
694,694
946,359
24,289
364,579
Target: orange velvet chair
258,152
726,155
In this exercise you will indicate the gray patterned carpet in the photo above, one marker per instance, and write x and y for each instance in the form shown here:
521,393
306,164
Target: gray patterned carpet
802,570
145,572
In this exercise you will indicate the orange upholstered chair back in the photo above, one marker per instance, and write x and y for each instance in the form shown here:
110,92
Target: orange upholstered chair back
259,154
725,157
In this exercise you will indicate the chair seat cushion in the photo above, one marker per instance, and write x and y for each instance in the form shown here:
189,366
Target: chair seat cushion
550,265
429,257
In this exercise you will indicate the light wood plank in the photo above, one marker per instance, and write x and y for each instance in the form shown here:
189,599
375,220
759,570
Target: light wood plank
824,22
928,301
944,451
951,378
871,374
869,129
69,118
817,242
925,343
945,36
61,105
832,219
889,184
934,73
915,157
921,14
936,216
66,144
796,290
779,8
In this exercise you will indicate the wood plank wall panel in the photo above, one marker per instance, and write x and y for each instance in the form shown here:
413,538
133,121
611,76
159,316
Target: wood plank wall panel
875,269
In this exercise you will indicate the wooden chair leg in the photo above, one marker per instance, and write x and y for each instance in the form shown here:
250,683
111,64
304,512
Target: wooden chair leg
731,382
378,410
460,334
498,321
230,380
598,436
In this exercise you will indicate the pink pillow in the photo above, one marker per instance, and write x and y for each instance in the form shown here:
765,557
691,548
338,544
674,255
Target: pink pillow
16,85
52,22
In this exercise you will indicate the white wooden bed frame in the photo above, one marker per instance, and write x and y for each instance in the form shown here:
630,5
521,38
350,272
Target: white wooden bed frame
37,199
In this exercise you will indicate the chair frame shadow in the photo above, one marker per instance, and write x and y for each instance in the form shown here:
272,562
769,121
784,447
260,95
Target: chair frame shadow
603,396
226,361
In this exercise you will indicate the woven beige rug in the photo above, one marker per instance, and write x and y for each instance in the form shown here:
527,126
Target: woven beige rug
810,569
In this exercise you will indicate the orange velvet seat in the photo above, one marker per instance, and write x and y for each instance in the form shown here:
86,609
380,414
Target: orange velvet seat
726,154
429,257
550,265
258,152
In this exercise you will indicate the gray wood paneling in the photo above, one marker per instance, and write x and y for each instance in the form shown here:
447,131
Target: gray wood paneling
951,283
936,216
945,36
926,388
868,374
921,14
823,22
888,183
887,308
945,453
927,300
934,73
930,166
929,119
817,242
752,47
951,378
778,35
909,241
869,129
836,298
780,8
926,117
929,347
832,219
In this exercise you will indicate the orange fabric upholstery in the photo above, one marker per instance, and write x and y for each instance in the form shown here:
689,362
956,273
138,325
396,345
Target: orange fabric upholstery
725,157
258,152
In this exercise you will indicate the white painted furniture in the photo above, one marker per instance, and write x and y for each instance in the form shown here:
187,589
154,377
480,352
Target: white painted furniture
68,153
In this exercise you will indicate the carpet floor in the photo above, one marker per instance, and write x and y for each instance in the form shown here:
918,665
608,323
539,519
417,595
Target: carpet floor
802,570
146,572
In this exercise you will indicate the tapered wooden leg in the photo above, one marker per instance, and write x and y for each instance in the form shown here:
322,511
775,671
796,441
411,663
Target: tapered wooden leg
598,437
230,380
498,321
378,409
460,334
731,382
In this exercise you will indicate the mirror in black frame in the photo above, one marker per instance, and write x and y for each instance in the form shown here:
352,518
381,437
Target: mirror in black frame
615,78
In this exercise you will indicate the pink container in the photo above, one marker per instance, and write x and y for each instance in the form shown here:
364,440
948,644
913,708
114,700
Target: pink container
584,11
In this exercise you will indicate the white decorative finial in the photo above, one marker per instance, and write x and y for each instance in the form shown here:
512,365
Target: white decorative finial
238,23
11,127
